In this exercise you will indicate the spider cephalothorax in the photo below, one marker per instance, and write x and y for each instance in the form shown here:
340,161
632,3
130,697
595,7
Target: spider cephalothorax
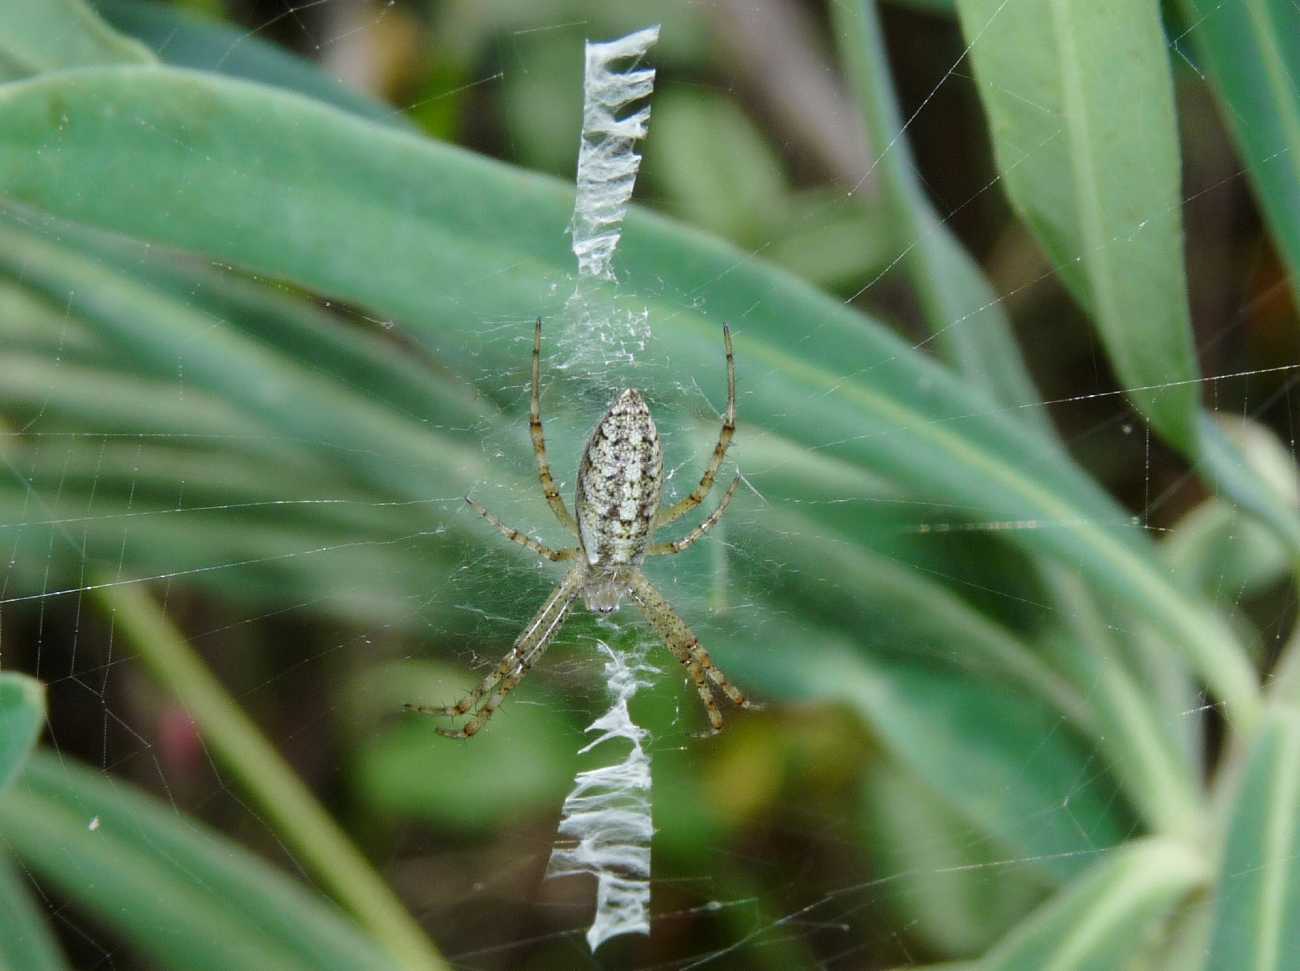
619,488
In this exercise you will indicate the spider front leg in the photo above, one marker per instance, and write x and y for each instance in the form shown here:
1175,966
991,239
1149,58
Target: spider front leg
539,440
686,647
676,512
527,649
512,534
678,545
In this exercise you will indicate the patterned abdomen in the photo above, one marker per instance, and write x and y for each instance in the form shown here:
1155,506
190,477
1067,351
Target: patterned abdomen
619,484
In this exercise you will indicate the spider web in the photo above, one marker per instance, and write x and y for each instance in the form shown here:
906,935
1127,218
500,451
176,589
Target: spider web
781,842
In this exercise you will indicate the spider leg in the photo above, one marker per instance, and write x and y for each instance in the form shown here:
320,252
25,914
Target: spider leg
528,648
541,549
497,697
676,512
677,545
686,647
539,440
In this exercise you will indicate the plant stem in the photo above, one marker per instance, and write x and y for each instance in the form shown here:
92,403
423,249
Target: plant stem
297,817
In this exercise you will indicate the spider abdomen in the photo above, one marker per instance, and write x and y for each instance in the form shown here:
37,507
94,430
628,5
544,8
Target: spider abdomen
619,484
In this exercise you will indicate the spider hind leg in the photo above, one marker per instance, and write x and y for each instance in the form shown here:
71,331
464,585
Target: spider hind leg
686,647
528,648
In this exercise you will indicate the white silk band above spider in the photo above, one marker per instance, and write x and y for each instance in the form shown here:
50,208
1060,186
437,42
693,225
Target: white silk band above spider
620,484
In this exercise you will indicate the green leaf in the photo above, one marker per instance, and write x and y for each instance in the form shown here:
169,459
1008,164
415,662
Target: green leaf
951,888
22,713
1222,553
1138,741
1257,895
183,39
415,231
48,35
935,6
26,942
1103,920
1080,104
961,309
300,822
175,890
1006,763
1251,51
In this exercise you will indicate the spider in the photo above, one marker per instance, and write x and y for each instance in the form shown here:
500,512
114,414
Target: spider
617,512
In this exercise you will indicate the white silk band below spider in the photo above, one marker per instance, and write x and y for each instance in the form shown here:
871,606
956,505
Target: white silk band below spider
619,488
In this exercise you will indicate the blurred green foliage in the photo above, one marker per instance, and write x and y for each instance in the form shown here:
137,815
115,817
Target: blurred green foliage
262,332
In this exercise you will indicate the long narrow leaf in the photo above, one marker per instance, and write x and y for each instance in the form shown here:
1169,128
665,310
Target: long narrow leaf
1257,903
184,39
1251,51
1100,922
1080,104
26,942
22,713
960,306
178,892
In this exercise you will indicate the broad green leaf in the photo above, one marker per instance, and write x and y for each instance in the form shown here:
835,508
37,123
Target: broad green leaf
183,39
1257,894
1105,918
1251,51
226,351
241,368
953,889
48,35
26,941
251,509
178,892
424,234
1002,761
1080,104
22,713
